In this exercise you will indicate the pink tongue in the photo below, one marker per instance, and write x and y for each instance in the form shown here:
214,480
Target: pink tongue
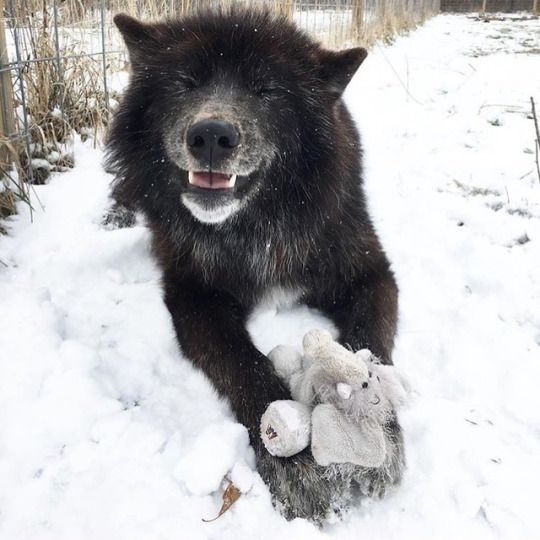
210,180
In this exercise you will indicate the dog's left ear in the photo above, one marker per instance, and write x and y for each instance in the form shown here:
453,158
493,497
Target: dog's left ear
338,67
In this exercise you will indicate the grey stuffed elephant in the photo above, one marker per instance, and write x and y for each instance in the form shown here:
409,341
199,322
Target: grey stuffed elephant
341,400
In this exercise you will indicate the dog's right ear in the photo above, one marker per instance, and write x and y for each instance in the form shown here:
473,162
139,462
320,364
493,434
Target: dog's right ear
338,67
140,38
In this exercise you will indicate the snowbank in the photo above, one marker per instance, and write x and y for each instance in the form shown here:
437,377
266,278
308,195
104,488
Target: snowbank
106,431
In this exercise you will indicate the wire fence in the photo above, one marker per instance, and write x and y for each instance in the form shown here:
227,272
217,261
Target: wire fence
490,6
63,66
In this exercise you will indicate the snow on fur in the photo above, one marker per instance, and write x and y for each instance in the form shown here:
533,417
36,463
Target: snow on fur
105,430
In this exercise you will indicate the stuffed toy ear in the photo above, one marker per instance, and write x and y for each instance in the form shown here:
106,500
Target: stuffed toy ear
335,439
140,38
338,67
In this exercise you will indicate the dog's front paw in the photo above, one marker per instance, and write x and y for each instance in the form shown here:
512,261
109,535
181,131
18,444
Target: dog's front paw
374,482
301,488
376,463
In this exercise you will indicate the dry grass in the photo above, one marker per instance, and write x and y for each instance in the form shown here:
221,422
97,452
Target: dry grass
12,189
62,98
63,94
58,93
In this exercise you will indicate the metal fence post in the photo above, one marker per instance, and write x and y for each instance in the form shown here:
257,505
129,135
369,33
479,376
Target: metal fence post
104,52
286,8
7,115
58,61
358,19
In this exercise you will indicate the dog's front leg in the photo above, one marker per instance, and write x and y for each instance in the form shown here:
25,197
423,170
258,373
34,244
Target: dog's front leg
364,309
210,326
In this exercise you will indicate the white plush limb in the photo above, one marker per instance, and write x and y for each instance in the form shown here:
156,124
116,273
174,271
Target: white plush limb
336,440
290,367
364,354
286,361
303,384
286,427
334,359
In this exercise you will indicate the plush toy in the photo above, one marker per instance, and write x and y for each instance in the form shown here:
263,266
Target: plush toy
341,401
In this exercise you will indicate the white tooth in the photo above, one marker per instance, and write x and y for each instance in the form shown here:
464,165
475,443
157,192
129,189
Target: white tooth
232,180
190,177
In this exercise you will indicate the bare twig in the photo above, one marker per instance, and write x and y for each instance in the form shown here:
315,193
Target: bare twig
400,80
537,142
507,107
526,174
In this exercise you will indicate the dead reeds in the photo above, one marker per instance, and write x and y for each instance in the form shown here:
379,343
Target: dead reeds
56,91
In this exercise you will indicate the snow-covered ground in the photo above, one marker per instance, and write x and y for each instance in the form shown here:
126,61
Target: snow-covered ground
107,432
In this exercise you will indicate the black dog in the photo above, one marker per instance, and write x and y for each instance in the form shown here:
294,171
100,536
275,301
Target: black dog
233,140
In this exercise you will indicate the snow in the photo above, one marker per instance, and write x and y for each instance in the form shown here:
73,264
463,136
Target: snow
107,431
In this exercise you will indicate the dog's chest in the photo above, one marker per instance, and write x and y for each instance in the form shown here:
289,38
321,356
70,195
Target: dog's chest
278,297
250,261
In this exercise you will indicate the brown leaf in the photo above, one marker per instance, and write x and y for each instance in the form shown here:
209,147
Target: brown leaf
230,496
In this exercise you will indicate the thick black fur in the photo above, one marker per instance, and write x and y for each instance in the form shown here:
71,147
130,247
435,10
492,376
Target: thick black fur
304,227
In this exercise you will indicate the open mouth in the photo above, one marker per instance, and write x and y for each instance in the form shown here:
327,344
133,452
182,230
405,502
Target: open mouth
211,180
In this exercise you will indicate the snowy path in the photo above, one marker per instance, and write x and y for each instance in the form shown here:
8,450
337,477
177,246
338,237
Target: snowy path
106,432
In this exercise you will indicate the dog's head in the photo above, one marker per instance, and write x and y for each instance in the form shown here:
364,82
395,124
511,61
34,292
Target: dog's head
216,100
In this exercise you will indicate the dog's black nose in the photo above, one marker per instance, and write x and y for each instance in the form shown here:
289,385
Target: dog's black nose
212,141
